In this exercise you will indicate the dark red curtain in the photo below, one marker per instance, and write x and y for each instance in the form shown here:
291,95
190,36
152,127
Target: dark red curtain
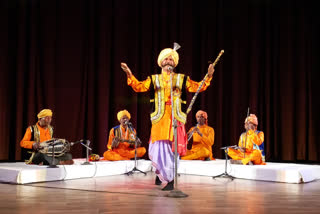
65,55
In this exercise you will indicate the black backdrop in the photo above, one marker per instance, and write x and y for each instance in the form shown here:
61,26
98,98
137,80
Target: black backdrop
65,55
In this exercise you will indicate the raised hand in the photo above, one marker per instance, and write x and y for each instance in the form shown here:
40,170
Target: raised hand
126,69
210,70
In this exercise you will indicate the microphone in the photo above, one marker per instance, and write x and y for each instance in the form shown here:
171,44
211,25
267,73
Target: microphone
79,141
226,147
128,123
170,68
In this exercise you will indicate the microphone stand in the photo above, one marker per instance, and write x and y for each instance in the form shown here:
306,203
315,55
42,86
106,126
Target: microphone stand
225,174
135,169
245,144
52,165
175,193
87,152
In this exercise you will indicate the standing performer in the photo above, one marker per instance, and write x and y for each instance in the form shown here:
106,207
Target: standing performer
249,142
161,151
203,139
121,140
41,132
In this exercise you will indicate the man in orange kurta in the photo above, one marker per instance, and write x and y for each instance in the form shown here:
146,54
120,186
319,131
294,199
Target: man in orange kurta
40,132
249,142
161,138
203,139
122,140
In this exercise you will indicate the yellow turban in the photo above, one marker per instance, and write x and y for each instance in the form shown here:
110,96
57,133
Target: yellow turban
44,113
252,119
166,53
123,113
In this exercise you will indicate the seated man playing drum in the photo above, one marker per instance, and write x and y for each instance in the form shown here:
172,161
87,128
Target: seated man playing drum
122,140
38,136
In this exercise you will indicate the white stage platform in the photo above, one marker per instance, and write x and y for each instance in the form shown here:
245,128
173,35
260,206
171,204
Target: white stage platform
20,173
276,172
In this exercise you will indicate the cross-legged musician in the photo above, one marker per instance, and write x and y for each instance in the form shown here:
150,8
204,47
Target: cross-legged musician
203,139
40,133
121,143
250,144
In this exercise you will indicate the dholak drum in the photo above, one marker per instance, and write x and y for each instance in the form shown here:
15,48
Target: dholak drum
55,146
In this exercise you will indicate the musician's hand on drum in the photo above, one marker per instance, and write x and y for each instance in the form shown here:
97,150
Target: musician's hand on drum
126,69
36,146
242,149
210,70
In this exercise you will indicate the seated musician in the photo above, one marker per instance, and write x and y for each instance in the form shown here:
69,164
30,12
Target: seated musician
249,142
40,133
203,139
121,143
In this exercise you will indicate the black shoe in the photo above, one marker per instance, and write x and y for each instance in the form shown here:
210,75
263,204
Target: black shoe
158,181
235,161
169,186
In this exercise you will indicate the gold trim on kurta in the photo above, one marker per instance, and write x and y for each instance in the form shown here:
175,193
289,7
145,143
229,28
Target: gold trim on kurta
36,137
159,99
178,114
36,132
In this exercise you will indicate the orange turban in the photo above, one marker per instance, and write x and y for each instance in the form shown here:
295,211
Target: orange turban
166,53
202,113
44,113
123,113
252,118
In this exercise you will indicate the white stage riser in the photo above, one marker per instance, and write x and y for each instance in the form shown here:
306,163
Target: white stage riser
20,173
276,172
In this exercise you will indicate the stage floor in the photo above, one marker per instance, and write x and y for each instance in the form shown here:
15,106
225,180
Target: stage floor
138,194
20,173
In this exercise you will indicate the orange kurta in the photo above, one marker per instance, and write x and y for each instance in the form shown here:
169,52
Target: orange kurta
251,154
162,130
202,146
123,151
26,140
